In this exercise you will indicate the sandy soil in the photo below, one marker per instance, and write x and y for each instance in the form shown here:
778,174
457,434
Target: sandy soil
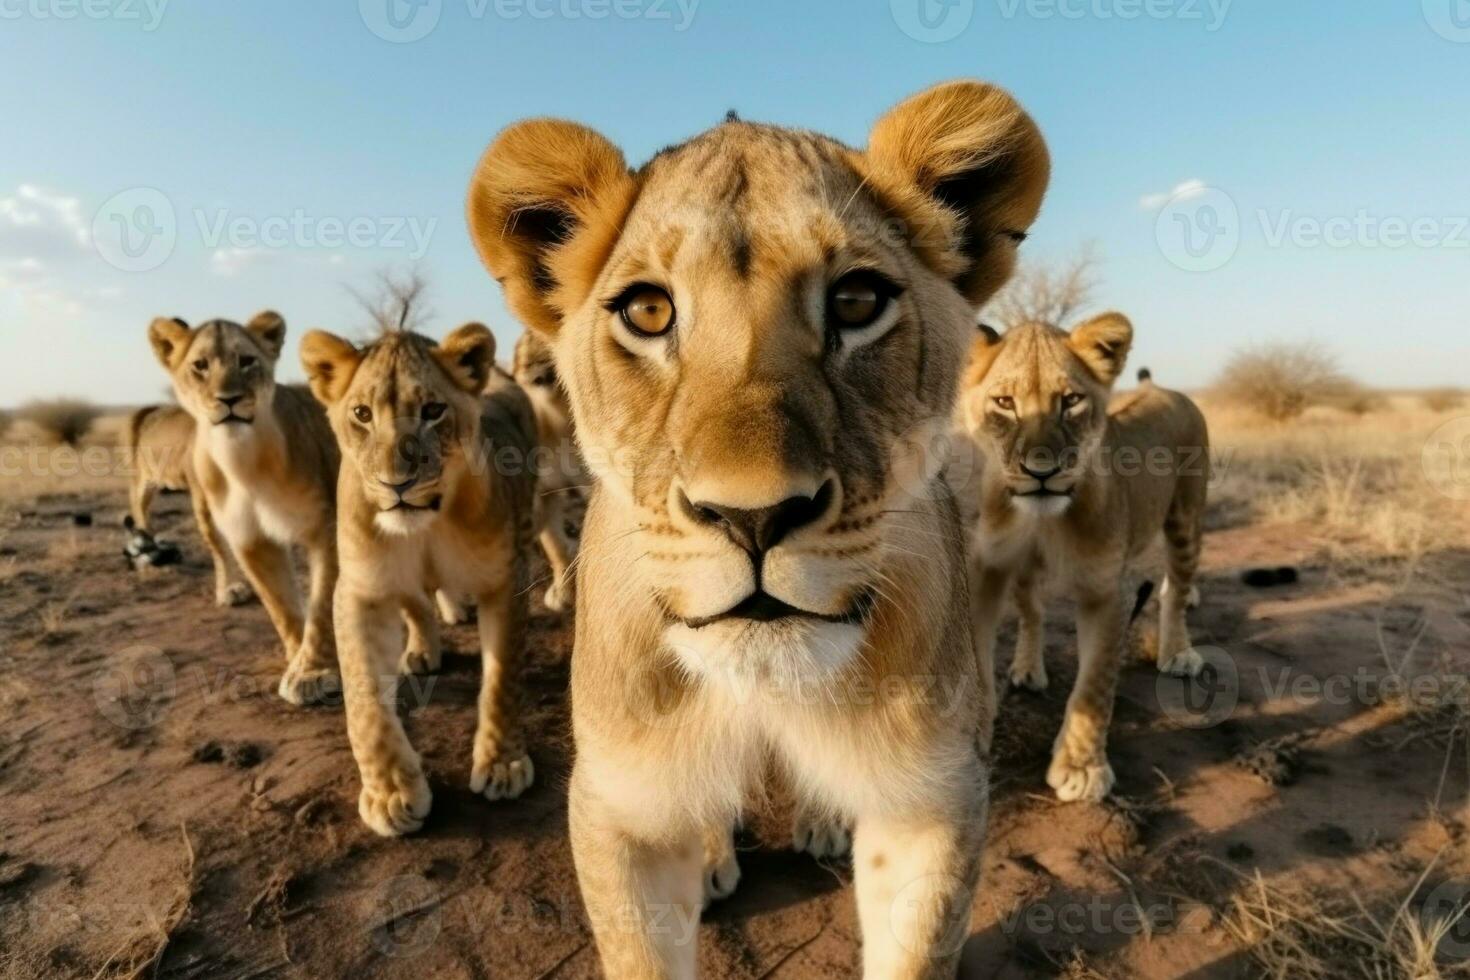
162,813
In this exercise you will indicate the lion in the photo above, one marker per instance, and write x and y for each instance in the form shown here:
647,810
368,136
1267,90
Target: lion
266,464
1077,490
561,473
159,442
437,488
757,331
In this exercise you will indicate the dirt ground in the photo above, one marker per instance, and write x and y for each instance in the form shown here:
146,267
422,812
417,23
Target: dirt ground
163,814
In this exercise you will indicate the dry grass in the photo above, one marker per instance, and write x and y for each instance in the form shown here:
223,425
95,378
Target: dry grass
1292,934
1443,399
1359,481
62,421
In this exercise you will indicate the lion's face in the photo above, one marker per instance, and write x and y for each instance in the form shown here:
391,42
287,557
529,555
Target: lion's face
223,373
406,413
752,330
1037,401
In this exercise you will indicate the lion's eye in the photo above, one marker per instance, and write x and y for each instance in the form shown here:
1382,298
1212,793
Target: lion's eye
363,414
1005,403
858,299
247,361
1071,400
647,311
202,364
432,411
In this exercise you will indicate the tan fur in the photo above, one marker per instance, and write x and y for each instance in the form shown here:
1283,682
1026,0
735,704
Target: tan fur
560,473
754,404
1121,476
266,469
159,441
425,502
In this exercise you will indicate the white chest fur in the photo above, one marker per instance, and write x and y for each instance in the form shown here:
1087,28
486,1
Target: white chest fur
255,505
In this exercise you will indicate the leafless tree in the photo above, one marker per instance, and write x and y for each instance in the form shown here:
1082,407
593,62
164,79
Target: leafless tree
1043,293
1282,380
395,302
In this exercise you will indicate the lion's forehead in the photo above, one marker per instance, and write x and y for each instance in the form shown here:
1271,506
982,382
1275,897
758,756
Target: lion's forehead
398,372
220,339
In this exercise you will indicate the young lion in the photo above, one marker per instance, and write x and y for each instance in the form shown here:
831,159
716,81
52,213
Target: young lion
159,441
756,330
436,488
266,462
1080,490
561,474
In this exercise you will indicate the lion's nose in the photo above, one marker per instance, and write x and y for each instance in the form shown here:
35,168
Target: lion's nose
230,401
401,487
1041,476
760,529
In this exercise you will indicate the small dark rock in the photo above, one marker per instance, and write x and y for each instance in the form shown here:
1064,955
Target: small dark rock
81,519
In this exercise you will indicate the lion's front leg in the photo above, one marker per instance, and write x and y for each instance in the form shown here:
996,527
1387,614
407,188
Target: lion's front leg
312,674
395,795
915,880
643,899
502,769
987,601
1079,767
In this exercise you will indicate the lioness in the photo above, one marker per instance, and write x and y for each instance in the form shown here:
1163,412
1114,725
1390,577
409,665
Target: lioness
561,474
753,328
159,442
1080,491
267,464
437,488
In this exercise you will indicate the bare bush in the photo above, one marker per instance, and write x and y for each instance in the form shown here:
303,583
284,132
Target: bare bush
395,303
64,421
1443,399
1283,380
1052,294
5,419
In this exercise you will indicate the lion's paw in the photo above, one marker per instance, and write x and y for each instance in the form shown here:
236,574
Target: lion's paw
1029,677
309,685
1090,781
821,837
1185,663
559,595
503,779
233,594
721,878
397,811
419,662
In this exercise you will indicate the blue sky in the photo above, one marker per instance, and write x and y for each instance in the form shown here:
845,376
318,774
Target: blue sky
1316,147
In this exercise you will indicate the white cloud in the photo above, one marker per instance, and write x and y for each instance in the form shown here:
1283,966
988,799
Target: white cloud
1193,187
34,221
233,260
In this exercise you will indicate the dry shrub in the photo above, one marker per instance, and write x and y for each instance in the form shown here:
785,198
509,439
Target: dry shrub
5,418
1041,293
1443,399
1283,380
64,421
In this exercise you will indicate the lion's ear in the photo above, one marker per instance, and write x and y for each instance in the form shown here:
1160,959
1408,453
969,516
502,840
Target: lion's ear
984,349
269,330
545,205
329,362
1103,344
169,338
468,355
967,168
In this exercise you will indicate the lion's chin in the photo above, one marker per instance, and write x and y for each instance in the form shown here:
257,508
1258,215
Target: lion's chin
404,521
1042,504
745,651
